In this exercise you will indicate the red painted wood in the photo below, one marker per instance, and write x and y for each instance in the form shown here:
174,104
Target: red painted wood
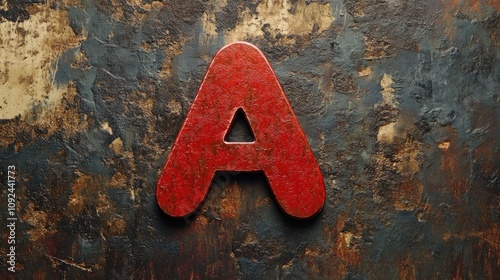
240,77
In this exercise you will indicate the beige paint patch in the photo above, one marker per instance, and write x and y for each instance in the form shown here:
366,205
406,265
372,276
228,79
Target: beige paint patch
306,19
347,236
386,133
28,53
365,72
64,118
117,146
174,107
209,35
105,126
139,4
445,145
387,89
208,22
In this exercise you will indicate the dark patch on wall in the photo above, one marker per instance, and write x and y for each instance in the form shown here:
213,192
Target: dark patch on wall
230,14
17,10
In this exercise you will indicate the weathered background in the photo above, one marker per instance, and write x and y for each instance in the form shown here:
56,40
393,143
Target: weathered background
399,99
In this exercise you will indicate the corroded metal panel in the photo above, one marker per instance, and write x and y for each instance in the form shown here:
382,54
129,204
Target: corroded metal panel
399,101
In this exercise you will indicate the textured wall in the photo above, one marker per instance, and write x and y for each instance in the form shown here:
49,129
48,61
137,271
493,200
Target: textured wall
399,99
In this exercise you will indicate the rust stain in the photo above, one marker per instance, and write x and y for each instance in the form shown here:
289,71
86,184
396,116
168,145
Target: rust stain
80,194
323,262
491,236
459,268
407,270
453,164
345,248
487,249
473,9
113,226
119,180
113,223
407,197
494,4
42,224
467,5
486,153
230,204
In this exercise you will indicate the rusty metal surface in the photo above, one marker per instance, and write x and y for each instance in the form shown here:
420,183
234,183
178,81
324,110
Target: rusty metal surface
399,101
240,78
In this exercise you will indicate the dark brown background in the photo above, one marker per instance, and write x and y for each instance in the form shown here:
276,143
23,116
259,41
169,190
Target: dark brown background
399,99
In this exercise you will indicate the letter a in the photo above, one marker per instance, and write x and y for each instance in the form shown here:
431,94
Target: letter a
240,78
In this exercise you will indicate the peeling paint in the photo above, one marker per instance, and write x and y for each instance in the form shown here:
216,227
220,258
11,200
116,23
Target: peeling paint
387,90
117,146
281,18
386,133
28,56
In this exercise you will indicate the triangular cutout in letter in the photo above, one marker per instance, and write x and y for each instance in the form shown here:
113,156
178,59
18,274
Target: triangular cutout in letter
240,130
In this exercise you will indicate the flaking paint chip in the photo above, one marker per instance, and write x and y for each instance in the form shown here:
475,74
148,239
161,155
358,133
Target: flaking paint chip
445,145
117,146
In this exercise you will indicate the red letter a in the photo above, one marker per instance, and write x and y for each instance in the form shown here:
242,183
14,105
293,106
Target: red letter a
240,77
